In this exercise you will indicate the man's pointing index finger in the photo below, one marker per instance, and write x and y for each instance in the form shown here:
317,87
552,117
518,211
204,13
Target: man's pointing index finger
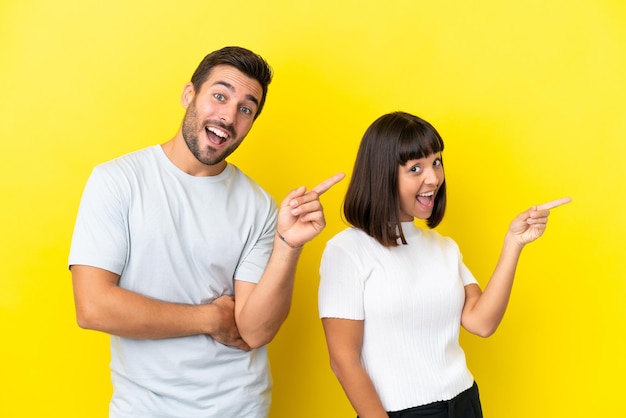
554,203
328,183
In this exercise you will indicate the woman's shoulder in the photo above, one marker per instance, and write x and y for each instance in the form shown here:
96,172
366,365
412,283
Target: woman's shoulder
348,235
435,237
351,240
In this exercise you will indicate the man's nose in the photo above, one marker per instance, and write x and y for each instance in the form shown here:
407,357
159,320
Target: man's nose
228,114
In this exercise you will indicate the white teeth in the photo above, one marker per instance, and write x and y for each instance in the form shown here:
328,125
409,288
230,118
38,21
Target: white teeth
218,132
426,194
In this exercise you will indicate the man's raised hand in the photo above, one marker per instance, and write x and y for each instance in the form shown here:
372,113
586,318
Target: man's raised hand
301,215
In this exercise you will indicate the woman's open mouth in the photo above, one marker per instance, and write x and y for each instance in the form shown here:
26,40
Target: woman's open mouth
427,200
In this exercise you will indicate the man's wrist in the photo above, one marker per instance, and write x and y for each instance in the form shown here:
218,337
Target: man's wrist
282,238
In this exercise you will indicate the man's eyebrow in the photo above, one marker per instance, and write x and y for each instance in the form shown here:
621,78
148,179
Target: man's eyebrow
232,88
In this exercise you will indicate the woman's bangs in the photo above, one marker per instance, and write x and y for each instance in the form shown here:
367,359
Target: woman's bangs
418,143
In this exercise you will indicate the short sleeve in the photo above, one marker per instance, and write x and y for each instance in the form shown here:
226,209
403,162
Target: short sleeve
341,285
100,233
257,256
466,275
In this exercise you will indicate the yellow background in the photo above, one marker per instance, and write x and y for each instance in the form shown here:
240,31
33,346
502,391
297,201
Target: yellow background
529,97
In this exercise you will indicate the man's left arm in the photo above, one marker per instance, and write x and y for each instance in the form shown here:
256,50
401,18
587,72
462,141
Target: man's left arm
261,308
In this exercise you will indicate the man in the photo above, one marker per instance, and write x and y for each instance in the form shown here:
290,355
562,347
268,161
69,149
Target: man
166,237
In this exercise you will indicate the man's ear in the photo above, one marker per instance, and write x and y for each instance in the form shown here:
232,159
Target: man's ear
188,94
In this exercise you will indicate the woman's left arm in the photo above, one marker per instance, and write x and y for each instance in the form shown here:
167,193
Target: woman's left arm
483,311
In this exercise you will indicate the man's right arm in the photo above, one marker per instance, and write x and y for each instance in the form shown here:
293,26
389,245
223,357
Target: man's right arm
102,305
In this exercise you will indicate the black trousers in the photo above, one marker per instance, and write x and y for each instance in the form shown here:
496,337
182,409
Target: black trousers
465,405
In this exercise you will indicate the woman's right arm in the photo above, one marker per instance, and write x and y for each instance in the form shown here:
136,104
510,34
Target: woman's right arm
344,338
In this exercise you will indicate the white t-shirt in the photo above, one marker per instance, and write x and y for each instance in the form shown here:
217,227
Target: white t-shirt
410,298
184,239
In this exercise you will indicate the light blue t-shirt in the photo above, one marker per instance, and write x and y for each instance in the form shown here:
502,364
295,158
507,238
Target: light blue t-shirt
184,239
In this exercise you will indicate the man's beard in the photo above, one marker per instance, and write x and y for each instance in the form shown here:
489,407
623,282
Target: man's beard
190,130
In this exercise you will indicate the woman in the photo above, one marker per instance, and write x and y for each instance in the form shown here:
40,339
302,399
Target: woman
393,296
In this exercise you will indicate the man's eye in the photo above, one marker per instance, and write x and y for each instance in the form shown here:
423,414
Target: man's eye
246,110
219,96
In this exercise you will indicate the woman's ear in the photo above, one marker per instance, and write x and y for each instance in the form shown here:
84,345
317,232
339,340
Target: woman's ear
188,94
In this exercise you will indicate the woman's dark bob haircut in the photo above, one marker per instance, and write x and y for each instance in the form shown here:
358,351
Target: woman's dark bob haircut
372,203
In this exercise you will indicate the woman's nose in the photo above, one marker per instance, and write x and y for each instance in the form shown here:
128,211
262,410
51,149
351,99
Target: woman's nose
431,177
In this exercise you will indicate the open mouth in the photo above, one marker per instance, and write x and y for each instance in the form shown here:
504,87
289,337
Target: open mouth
426,199
216,136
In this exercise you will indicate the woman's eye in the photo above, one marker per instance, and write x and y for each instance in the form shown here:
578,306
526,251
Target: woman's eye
415,169
438,162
